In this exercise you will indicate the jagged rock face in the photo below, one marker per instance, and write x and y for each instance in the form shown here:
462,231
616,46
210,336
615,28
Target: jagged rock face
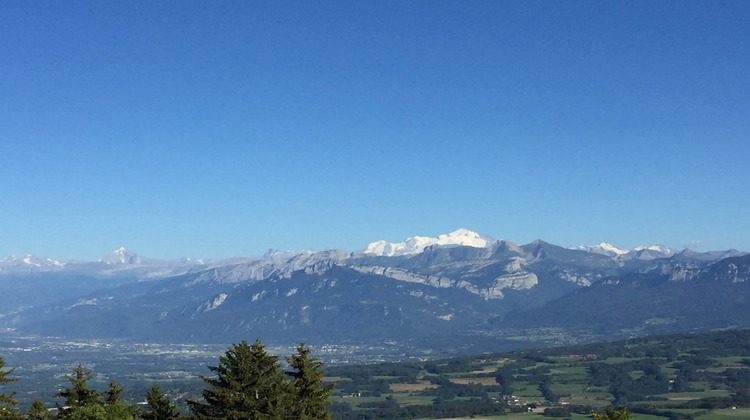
213,303
406,276
728,270
236,273
516,281
736,274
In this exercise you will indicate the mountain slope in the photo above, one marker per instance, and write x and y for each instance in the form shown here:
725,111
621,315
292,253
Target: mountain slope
685,299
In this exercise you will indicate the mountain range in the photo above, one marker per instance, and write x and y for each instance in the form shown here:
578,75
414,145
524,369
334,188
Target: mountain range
461,287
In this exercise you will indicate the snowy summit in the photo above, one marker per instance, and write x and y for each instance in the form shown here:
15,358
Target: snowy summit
122,256
31,261
640,252
417,244
603,248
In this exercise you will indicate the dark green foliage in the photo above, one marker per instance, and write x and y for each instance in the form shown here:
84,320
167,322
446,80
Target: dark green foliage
159,407
7,401
338,409
504,377
440,409
112,395
84,403
309,397
249,385
556,412
11,415
547,392
738,378
37,411
116,411
448,390
621,413
357,372
453,365
623,387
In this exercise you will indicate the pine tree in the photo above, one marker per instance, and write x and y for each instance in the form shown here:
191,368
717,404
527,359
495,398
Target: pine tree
99,412
115,407
159,407
78,394
12,414
112,395
249,385
83,403
37,411
309,397
7,401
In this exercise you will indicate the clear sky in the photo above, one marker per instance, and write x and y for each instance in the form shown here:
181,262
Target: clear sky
225,128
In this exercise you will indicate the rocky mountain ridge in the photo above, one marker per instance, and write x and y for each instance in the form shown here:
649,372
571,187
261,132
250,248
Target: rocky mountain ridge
451,287
124,259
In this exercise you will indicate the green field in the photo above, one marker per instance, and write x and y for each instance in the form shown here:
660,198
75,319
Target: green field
741,413
685,377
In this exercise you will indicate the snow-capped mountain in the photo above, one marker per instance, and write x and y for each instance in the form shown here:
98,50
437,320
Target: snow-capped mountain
639,253
29,262
603,248
417,244
122,256
657,251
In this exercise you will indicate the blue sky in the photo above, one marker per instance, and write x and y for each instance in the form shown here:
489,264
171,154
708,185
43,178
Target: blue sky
215,128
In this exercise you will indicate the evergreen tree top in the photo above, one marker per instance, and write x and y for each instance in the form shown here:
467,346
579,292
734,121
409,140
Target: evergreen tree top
7,401
250,385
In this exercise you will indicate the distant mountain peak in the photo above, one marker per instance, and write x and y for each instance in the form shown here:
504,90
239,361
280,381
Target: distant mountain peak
29,260
464,237
609,247
417,244
122,256
604,248
656,248
639,252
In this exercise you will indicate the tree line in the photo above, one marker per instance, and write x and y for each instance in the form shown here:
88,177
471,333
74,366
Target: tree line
247,383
